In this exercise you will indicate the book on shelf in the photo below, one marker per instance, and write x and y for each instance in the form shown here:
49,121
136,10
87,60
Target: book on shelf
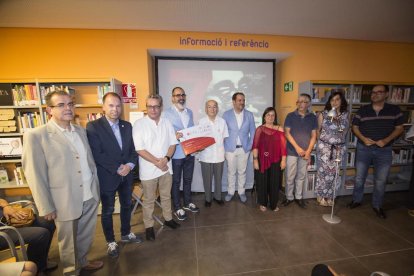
4,178
356,95
10,147
25,95
6,94
350,159
7,122
93,116
102,90
352,139
311,181
401,95
19,176
402,156
312,162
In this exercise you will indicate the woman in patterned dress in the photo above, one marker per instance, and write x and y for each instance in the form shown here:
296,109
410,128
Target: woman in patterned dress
331,145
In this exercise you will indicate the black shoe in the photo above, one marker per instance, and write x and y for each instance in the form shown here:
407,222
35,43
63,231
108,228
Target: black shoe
172,224
301,203
219,201
379,212
286,202
149,234
353,205
207,204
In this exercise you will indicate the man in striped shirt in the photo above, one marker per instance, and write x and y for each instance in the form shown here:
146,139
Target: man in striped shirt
376,125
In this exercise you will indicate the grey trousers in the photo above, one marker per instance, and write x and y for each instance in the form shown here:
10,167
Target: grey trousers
296,169
208,171
75,238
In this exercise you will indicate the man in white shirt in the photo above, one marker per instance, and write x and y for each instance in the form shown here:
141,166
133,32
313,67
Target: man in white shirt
155,141
61,172
212,157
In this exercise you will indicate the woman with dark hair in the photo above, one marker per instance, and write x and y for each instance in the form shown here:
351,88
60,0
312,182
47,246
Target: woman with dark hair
333,124
269,159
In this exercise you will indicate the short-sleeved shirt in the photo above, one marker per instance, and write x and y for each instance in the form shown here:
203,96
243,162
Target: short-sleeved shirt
156,139
301,128
378,126
215,153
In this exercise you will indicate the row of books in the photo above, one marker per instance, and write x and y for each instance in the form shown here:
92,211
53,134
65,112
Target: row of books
102,90
402,156
44,90
19,176
28,120
7,122
25,95
362,94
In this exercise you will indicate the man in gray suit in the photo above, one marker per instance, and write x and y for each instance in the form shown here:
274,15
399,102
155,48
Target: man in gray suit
61,174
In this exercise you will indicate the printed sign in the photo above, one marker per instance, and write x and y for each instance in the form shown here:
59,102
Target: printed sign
129,93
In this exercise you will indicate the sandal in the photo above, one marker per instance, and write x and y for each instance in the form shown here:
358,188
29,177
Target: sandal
276,209
263,208
323,203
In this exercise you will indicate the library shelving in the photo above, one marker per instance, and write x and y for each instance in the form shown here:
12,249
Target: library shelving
358,94
23,107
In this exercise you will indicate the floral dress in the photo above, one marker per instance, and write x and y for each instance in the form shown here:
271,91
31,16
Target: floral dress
331,145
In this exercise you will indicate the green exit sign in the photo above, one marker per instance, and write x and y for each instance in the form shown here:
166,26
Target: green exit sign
288,86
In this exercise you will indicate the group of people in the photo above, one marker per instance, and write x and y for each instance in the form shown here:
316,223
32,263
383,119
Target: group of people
70,170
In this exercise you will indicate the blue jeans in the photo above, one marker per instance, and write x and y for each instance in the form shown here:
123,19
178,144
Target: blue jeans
381,159
108,207
184,167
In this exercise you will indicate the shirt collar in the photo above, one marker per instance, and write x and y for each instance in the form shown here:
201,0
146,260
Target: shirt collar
185,109
72,128
112,123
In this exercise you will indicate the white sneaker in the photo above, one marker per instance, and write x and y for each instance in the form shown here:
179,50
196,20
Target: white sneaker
113,249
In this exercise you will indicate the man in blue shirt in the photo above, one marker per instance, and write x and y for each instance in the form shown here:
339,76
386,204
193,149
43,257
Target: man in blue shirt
300,132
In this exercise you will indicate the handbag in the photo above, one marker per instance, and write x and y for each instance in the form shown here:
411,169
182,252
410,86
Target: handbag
27,221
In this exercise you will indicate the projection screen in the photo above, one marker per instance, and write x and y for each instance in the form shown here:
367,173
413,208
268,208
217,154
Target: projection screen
218,79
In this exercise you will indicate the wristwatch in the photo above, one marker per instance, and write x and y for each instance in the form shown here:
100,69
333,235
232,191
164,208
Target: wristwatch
168,158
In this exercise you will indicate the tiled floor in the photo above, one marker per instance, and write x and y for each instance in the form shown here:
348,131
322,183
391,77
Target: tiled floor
239,239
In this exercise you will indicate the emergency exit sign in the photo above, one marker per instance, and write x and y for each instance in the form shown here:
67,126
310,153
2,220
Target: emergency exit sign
288,86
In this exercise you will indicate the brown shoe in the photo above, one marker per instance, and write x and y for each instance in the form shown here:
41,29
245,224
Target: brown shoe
93,265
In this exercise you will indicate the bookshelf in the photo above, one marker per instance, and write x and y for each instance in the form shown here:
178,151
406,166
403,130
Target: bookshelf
23,107
358,94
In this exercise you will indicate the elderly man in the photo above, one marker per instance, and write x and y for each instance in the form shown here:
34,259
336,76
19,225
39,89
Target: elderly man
115,156
240,124
212,157
155,141
62,176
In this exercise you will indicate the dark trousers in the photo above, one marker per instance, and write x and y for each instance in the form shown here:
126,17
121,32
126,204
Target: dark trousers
268,185
182,167
38,237
108,206
210,171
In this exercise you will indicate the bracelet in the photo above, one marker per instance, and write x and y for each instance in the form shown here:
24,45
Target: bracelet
254,158
168,158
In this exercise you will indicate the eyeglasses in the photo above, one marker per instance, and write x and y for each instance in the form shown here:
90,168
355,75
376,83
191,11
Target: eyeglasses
153,107
62,105
301,102
378,92
180,95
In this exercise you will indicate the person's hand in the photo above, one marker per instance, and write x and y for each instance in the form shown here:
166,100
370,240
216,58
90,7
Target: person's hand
162,164
256,164
307,156
51,216
380,143
282,164
8,212
124,170
301,152
369,142
178,135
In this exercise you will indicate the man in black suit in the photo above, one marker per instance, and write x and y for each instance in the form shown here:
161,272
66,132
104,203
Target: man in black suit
110,139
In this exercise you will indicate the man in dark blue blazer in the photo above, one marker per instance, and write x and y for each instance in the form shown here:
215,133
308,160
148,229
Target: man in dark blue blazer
110,139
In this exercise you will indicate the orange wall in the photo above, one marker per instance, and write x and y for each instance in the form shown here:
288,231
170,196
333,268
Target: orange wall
123,54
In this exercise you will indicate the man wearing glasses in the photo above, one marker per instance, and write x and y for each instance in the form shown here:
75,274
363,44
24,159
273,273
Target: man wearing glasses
181,117
300,132
376,125
155,141
61,172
